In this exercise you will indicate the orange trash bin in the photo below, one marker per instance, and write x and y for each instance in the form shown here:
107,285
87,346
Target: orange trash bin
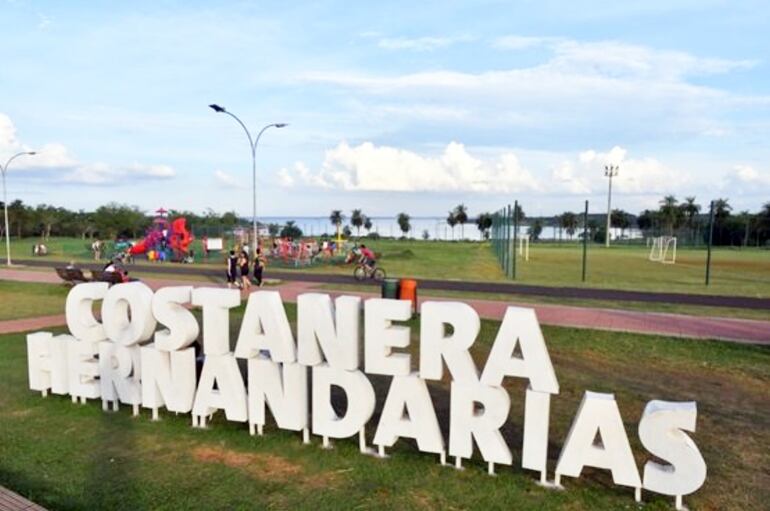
408,291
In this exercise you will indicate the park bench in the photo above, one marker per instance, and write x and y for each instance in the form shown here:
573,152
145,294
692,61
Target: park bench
111,277
71,275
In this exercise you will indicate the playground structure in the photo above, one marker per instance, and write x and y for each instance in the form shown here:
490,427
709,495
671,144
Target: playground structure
166,240
663,249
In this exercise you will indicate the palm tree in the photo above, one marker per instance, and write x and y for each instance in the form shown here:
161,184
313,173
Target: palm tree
569,222
670,213
403,223
461,215
357,220
690,210
722,208
484,223
452,221
367,223
336,218
620,219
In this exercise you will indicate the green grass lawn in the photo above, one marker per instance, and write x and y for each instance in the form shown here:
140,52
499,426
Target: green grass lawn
67,456
743,272
25,300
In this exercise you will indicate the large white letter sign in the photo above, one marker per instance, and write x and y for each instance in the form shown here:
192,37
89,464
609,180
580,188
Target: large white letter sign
380,336
47,362
409,394
230,395
265,327
520,327
79,311
360,397
282,387
334,327
216,305
181,326
537,413
436,346
119,374
168,379
82,368
467,424
598,413
120,326
661,432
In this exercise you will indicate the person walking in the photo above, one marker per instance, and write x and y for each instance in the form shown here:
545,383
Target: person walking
244,264
259,265
231,268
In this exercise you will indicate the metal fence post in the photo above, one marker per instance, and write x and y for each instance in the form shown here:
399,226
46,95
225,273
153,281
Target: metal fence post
710,240
585,239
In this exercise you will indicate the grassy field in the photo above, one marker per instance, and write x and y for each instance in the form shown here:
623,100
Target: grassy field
743,272
25,300
67,456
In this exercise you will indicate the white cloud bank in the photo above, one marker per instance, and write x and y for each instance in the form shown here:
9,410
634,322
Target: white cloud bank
367,167
576,86
59,165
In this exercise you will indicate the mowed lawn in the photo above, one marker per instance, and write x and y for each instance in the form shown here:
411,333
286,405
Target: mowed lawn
68,456
25,300
734,271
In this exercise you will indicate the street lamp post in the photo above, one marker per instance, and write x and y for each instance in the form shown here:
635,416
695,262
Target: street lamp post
4,170
610,171
253,142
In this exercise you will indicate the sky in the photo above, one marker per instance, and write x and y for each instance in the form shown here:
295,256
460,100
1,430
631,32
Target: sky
392,106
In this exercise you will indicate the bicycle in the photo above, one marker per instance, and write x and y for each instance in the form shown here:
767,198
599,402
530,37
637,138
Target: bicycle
363,271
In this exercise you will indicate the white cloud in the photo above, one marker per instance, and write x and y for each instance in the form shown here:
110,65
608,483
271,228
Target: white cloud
577,86
60,165
420,43
646,176
518,42
227,180
746,180
106,175
367,167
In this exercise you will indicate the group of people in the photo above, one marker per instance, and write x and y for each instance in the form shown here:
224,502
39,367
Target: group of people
239,268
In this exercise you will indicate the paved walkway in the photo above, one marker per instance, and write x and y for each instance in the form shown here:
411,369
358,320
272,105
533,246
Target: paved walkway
10,501
700,327
589,293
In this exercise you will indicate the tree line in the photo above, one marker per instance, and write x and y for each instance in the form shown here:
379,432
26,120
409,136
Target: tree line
110,221
686,219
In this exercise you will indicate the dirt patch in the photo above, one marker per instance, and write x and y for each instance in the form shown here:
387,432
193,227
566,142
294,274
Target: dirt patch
267,467
262,466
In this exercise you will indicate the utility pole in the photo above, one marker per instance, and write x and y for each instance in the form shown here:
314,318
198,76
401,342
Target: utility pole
610,171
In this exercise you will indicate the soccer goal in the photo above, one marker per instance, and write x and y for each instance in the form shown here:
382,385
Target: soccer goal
663,249
524,247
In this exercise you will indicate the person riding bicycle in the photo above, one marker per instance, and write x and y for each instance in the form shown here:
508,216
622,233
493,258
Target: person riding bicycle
367,257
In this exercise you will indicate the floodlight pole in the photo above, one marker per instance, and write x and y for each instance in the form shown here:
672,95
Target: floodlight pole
4,171
253,142
610,171
710,238
585,240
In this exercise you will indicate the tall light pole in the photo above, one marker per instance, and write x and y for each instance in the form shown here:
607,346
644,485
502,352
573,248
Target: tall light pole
4,170
253,145
610,171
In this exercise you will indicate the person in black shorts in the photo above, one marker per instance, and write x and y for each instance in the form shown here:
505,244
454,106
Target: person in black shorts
259,265
243,261
231,268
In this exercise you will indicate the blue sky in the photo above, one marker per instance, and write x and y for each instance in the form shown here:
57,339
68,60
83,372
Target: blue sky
395,106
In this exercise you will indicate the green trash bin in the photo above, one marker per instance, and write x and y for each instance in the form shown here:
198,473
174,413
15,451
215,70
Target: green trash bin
390,288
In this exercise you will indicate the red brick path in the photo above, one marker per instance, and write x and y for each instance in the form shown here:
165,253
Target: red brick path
700,327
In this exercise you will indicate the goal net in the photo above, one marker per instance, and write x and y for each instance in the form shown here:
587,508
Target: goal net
663,249
524,247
